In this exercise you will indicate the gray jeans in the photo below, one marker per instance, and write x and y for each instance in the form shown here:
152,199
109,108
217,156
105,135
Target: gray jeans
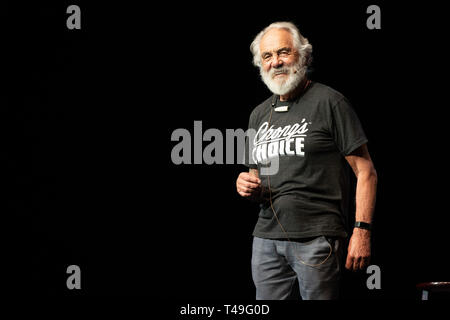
276,267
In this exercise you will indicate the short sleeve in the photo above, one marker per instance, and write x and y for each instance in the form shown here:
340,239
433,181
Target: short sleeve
347,130
248,160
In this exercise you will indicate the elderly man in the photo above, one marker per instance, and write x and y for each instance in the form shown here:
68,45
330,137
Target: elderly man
313,133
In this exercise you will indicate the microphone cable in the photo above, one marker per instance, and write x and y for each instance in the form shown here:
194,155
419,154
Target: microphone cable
273,209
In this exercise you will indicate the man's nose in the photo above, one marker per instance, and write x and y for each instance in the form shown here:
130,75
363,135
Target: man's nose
276,62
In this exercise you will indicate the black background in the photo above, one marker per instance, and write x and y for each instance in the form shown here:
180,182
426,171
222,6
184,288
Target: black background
87,141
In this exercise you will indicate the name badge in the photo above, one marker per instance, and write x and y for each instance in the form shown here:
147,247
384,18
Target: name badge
281,109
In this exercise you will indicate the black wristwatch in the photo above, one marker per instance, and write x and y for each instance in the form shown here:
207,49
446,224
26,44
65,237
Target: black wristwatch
363,225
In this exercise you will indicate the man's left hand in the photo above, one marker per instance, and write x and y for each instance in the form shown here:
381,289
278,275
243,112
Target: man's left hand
358,256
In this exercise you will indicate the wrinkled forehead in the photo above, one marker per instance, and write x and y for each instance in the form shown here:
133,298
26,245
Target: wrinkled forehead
275,39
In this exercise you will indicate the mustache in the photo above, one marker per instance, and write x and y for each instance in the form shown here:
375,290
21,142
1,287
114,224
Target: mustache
276,72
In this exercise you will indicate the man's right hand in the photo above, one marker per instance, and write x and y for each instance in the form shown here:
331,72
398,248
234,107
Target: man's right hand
248,186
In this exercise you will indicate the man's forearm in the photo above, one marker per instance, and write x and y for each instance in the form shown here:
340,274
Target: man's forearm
366,189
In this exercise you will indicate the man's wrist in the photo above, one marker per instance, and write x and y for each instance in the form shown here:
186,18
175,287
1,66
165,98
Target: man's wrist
363,225
362,233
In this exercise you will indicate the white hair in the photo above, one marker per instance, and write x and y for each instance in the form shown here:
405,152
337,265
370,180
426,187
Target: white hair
302,44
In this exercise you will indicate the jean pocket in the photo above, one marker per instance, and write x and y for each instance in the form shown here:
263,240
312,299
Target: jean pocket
314,253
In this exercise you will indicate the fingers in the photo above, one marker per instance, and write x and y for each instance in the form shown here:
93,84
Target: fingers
364,263
358,256
248,185
356,263
349,262
245,194
352,263
247,191
247,177
361,263
254,194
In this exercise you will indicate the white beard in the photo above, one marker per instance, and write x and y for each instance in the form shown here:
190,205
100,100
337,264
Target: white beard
295,74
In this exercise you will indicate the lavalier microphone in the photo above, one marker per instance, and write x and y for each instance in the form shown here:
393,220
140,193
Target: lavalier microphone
280,108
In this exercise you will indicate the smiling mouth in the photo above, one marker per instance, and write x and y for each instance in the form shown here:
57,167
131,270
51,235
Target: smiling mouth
279,74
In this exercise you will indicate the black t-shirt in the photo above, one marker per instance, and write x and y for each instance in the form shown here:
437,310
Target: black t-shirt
310,191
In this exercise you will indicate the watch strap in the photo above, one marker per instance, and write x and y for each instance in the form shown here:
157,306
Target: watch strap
363,225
